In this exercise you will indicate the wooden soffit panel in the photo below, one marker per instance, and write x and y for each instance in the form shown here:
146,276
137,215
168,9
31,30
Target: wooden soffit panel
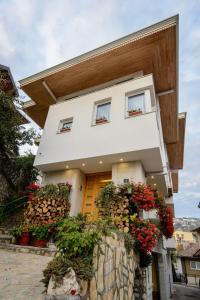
175,151
38,114
175,182
153,53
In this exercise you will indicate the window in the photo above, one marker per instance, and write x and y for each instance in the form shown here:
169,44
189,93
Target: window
65,125
135,104
102,112
195,265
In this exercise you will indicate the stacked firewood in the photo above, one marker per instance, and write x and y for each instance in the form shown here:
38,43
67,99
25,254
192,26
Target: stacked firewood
119,212
43,209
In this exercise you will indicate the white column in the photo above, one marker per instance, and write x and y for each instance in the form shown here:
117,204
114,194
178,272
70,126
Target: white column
133,171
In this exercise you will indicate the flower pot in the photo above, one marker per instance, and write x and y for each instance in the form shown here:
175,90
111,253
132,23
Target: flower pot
134,113
24,239
101,121
65,129
40,243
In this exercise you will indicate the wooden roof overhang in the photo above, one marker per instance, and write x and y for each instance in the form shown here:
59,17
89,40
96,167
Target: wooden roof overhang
151,50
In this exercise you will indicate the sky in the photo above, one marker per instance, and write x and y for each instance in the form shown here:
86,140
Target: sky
35,35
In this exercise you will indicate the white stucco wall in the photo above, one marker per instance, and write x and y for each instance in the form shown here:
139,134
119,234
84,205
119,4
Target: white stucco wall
77,179
128,170
85,140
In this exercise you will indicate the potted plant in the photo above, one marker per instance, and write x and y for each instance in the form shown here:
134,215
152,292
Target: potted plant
41,235
21,233
101,120
134,112
64,129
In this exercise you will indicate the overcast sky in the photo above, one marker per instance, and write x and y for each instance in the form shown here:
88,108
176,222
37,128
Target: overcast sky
35,35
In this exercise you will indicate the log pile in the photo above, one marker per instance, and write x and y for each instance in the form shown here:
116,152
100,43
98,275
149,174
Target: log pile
119,212
43,209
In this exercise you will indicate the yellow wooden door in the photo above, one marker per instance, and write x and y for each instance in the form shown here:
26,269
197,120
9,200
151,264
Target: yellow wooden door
94,183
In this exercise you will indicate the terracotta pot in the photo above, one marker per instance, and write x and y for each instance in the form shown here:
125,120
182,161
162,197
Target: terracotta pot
40,243
101,121
134,113
24,239
65,129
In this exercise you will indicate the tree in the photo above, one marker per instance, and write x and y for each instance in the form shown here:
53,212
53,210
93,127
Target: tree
14,170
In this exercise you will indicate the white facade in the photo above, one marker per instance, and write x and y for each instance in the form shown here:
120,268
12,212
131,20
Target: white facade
131,148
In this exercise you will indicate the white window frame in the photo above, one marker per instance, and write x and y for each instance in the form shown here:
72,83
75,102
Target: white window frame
147,101
196,262
96,104
68,120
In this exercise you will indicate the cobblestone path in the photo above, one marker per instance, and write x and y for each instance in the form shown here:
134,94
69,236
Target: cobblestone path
20,275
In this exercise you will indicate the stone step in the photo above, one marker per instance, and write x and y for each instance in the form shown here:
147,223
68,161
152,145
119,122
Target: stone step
28,249
4,230
6,238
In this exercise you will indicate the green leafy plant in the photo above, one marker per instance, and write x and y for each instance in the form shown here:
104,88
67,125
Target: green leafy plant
59,265
17,231
40,232
75,239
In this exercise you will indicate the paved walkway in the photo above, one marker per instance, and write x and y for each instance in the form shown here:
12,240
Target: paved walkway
183,292
20,275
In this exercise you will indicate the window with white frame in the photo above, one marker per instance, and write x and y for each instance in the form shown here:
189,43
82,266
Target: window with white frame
135,104
195,265
65,125
102,112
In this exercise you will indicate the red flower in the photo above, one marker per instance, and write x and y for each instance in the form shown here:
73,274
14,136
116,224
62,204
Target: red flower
73,292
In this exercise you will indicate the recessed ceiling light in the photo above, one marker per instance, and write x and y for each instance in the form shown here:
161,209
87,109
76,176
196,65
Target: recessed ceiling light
152,177
83,164
121,159
100,162
154,184
67,167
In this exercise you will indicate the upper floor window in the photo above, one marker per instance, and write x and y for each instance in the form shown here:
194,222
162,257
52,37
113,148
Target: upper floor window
65,125
135,104
102,112
195,265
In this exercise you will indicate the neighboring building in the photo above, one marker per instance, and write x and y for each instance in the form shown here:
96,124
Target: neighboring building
184,239
112,114
190,264
196,233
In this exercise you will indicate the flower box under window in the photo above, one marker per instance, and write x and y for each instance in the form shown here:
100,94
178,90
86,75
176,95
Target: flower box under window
65,126
134,112
101,120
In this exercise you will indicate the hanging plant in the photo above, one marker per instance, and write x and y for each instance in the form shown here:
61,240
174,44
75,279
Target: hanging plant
166,221
143,196
145,234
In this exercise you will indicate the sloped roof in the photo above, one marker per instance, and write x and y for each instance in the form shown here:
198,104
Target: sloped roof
193,250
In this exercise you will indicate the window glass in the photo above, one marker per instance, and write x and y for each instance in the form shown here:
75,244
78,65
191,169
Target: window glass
67,125
103,112
193,264
136,103
198,265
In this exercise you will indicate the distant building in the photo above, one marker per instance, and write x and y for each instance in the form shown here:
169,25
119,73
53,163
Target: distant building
188,263
184,239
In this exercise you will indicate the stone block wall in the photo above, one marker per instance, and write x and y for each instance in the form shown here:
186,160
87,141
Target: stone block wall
115,273
117,276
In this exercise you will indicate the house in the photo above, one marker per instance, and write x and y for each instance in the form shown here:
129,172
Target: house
184,239
112,115
190,263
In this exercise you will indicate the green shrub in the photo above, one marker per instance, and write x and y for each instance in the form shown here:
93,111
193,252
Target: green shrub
40,232
59,265
17,231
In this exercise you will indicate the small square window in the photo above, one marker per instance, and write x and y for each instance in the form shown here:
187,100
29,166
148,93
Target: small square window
65,125
193,265
102,114
135,105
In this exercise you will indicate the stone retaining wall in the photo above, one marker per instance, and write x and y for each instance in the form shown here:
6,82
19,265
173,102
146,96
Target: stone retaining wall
114,272
117,276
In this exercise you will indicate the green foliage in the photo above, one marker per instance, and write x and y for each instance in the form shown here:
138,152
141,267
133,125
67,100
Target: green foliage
145,260
40,232
76,238
107,196
60,190
12,134
59,265
17,231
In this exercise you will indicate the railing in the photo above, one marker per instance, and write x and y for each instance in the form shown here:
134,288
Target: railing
12,206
